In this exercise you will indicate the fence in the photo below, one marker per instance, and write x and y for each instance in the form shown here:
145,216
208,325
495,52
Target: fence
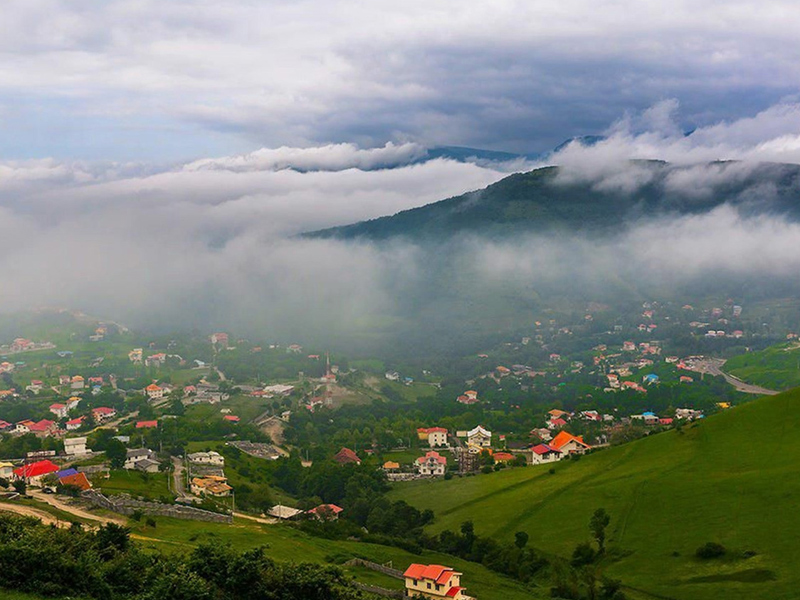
360,562
126,505
374,589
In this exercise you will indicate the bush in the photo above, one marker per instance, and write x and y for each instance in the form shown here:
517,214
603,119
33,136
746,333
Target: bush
710,550
583,554
486,469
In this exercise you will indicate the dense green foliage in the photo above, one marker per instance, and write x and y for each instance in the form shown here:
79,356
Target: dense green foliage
106,565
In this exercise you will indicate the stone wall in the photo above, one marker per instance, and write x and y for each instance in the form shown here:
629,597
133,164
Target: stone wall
126,505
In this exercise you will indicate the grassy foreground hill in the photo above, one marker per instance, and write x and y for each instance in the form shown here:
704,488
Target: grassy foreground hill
732,479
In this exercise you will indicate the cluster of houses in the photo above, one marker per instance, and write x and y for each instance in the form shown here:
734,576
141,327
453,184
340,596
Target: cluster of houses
41,473
207,475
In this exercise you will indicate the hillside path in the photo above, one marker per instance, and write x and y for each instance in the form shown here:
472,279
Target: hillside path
74,510
27,511
713,366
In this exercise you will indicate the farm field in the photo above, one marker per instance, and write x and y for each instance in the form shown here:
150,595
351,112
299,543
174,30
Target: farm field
731,479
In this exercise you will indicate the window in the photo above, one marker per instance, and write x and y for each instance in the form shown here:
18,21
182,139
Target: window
429,586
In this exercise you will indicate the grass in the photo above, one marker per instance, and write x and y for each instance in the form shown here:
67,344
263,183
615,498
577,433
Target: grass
731,479
136,483
777,367
287,543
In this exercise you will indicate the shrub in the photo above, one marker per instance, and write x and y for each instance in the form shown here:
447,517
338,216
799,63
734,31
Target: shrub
710,550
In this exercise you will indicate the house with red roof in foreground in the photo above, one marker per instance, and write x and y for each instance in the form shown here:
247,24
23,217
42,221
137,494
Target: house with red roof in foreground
433,581
326,512
146,424
34,472
566,443
346,456
432,463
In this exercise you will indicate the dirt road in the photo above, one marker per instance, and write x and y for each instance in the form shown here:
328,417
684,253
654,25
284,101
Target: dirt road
74,510
27,511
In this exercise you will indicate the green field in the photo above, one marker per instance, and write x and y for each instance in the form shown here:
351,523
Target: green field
776,368
136,483
286,543
732,479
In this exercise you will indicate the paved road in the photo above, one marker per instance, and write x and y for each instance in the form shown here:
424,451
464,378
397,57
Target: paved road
178,478
713,366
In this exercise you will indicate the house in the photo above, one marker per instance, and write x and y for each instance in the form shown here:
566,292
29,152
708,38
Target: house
135,455
558,414
212,485
479,437
74,478
464,399
147,465
219,338
75,446
346,456
503,457
73,402
566,443
74,424
390,465
33,472
155,360
686,379
146,424
650,378
433,581
432,463
35,386
43,428
59,410
6,470
207,458
231,418
326,512
154,392
283,512
556,423
392,375
23,426
135,355
5,425
542,433
543,453
435,436
102,414
77,383
665,421
64,380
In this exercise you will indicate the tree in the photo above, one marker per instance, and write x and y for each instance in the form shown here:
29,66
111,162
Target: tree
20,486
597,525
117,453
520,539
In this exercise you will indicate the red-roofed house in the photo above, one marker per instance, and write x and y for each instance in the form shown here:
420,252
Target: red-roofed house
59,410
146,424
34,472
346,456
566,443
326,512
433,581
436,436
43,428
102,414
556,423
4,425
231,418
542,453
74,424
432,463
503,457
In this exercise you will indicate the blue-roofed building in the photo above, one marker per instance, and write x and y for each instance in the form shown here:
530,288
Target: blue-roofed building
650,378
66,473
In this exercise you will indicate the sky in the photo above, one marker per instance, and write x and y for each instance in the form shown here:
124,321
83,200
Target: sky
154,81
158,159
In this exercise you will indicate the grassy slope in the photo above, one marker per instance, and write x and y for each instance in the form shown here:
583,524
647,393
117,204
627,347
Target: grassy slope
136,483
286,543
777,367
731,479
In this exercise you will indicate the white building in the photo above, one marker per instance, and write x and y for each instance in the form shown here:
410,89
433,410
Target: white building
432,463
75,446
207,458
137,455
479,437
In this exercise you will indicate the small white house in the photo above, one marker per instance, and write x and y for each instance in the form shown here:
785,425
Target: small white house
135,455
207,458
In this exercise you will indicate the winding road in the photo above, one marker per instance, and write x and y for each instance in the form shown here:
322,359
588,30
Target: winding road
713,366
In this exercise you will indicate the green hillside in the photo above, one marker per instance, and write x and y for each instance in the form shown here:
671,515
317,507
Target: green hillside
732,479
777,367
541,201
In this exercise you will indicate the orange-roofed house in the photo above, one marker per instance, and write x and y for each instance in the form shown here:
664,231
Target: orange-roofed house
433,581
436,436
146,424
391,465
154,392
503,457
59,410
566,443
78,480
